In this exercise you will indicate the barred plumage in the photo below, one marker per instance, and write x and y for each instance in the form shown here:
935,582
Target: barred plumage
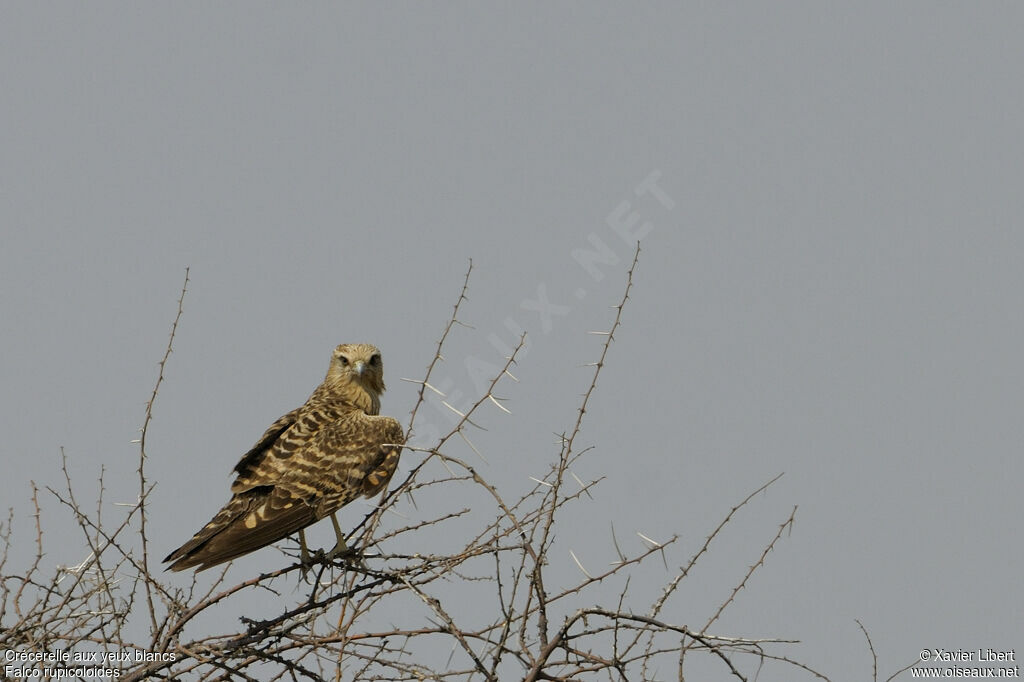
307,465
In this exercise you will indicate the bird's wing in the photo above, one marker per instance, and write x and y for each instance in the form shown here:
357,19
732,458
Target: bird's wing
268,444
386,462
352,456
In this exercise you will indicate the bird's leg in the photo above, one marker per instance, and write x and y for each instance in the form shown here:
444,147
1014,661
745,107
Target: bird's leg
304,557
342,550
303,552
339,549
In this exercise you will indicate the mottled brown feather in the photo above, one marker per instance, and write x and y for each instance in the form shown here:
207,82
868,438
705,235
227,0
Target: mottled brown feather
308,464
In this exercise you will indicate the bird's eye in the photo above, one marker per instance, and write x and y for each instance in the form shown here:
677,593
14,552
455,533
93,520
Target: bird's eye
343,360
375,360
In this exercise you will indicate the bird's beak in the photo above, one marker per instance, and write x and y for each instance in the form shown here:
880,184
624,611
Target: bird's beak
359,366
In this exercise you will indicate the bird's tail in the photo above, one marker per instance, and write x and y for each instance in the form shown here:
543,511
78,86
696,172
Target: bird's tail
249,521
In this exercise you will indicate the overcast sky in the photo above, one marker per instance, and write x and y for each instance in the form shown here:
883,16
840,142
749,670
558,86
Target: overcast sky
829,199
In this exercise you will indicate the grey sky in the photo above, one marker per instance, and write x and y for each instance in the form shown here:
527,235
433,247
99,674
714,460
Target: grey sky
834,293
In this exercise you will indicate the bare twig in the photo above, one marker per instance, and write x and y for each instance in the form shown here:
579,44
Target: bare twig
143,487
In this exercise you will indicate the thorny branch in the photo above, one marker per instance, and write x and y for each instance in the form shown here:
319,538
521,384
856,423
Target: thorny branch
144,489
476,606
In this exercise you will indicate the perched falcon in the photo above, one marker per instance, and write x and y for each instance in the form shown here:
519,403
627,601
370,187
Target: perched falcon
308,464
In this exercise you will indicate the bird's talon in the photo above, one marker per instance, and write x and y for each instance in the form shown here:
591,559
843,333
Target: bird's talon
337,552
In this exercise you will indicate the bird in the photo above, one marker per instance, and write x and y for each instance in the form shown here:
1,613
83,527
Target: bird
306,466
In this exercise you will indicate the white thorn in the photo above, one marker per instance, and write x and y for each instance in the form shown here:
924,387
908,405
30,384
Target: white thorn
580,565
445,403
499,405
424,383
473,447
440,393
653,542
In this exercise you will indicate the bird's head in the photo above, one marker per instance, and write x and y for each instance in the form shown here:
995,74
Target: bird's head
357,365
